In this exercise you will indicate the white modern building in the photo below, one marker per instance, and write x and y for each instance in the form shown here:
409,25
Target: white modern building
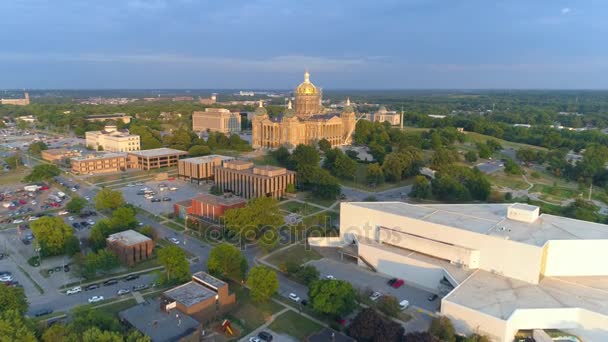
112,140
500,268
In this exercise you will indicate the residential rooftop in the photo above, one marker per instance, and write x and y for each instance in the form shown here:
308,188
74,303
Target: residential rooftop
190,293
128,237
491,219
158,152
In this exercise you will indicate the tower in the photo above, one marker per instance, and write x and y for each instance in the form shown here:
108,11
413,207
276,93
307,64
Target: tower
349,121
259,116
308,98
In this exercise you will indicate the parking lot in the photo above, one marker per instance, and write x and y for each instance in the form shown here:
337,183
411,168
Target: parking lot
490,167
20,206
184,191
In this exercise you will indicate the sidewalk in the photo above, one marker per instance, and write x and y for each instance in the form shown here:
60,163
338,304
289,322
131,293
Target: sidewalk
263,326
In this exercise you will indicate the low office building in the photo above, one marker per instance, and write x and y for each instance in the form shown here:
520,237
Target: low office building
383,115
161,325
208,206
113,117
216,120
130,246
199,169
205,298
500,268
100,162
245,179
154,158
112,140
58,154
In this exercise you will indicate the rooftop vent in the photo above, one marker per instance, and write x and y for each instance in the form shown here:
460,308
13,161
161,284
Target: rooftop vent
523,212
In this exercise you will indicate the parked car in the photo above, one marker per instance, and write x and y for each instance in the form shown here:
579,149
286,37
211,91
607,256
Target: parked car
123,291
265,336
131,277
63,212
174,240
398,283
71,218
66,268
294,297
391,281
404,304
110,282
330,277
432,297
166,199
5,273
91,287
155,200
254,339
6,279
76,225
140,287
375,296
43,312
95,299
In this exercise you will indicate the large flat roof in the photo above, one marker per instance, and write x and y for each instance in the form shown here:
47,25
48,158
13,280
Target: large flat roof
209,280
500,296
222,199
190,293
100,155
206,159
157,152
491,219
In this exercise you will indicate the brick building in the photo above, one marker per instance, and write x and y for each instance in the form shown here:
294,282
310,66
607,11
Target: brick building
205,298
155,158
58,154
199,168
99,163
130,246
249,181
208,206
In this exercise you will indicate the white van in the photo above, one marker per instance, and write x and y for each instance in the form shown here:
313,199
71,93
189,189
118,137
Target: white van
404,304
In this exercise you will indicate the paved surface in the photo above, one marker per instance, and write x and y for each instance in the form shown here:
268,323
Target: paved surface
184,191
490,167
396,194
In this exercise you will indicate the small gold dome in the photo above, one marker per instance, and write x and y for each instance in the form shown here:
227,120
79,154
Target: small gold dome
306,87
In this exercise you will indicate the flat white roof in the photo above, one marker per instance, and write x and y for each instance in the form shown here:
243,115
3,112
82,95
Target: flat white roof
157,152
491,219
128,237
206,159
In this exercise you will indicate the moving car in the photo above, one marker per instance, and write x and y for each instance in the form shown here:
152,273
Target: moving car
294,297
63,212
166,199
140,287
375,296
155,200
404,304
95,299
123,291
131,277
91,287
110,282
174,240
265,336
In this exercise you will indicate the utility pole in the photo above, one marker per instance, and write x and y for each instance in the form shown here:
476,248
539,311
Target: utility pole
590,190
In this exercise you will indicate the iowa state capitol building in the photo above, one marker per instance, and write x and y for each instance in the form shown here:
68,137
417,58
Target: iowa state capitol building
305,124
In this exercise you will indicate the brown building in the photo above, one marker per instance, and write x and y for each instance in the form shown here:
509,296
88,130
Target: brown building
58,154
216,120
306,124
208,101
198,169
114,117
130,246
154,158
205,298
208,206
249,181
17,102
99,163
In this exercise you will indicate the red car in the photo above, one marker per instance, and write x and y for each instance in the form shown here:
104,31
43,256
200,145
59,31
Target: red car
22,201
54,204
398,283
44,187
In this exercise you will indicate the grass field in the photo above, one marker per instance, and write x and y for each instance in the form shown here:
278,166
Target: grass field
248,314
322,202
297,254
299,208
12,177
476,137
293,324
508,181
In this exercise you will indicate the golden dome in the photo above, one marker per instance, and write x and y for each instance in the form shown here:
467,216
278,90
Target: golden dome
306,87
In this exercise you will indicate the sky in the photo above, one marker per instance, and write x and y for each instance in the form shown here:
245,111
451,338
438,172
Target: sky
264,44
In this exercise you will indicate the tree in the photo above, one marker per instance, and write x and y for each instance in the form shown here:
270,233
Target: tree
325,186
443,157
123,218
14,327
512,168
94,334
332,297
56,332
419,336
484,151
526,155
493,145
400,164
72,246
421,188
470,156
374,174
37,147
258,217
369,326
176,265
13,299
304,155
100,231
281,155
443,329
389,305
263,283
52,235
102,260
324,145
42,172
227,261
108,199
307,274
86,317
76,204
339,164
199,150
149,232
582,210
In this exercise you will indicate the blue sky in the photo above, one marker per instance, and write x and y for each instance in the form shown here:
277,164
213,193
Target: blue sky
361,44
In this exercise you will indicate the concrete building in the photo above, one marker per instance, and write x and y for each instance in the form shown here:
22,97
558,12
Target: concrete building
208,101
100,162
383,115
112,140
245,179
17,102
58,154
208,206
114,117
502,267
26,118
216,120
205,298
130,246
199,169
154,158
305,124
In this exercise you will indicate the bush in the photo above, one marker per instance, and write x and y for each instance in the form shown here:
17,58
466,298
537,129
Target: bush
443,329
33,261
389,305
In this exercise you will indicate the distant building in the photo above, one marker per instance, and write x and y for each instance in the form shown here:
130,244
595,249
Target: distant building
100,162
26,118
166,116
208,206
154,158
216,120
114,117
205,298
208,101
383,115
522,125
112,140
58,154
436,116
17,102
130,246
199,169
245,179
182,98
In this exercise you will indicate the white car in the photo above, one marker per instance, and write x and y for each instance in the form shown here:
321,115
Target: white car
91,222
18,221
95,299
294,297
71,218
87,198
6,278
123,291
34,202
173,188
254,339
404,304
174,240
330,277
375,296
73,189
73,290
130,185
33,218
63,212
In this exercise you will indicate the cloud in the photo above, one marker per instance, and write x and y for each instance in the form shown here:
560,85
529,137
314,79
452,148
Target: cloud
566,10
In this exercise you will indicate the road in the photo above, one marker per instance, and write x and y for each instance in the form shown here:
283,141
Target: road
396,194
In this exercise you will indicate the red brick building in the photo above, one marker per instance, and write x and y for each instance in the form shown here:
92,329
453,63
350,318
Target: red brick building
130,246
208,206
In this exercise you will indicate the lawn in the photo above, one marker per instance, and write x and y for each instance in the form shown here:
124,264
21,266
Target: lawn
250,315
319,201
328,217
297,254
12,177
293,324
481,138
556,193
508,181
299,208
